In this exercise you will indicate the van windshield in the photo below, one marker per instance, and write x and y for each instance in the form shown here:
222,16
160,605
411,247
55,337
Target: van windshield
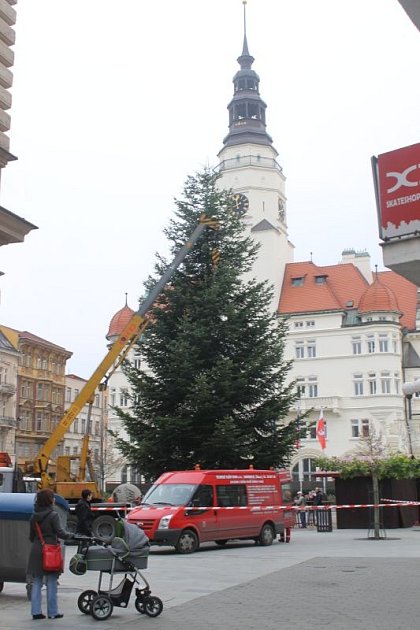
170,494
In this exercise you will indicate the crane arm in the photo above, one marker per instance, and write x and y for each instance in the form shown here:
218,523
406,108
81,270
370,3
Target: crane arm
131,331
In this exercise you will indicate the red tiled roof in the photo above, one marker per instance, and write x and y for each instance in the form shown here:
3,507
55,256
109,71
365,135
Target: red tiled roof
119,321
344,285
378,297
406,293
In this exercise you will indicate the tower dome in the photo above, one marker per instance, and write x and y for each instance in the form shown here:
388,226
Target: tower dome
378,297
119,321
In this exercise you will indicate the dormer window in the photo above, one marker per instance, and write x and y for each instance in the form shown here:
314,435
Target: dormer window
298,281
321,279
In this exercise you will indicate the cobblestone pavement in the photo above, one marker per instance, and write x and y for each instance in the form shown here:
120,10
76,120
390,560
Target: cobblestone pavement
338,581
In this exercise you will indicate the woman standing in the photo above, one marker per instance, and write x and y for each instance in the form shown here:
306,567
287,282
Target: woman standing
49,522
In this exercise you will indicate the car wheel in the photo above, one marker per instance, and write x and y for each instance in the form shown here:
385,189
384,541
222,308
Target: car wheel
187,542
266,535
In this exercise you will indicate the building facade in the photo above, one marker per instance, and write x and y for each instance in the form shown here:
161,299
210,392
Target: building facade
92,422
8,387
40,390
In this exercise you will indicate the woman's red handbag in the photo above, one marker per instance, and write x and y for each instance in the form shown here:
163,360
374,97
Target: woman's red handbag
52,558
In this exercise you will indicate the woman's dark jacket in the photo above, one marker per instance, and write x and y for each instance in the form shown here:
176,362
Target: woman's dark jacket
49,522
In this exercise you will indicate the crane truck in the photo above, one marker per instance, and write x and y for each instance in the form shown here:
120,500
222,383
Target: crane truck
64,483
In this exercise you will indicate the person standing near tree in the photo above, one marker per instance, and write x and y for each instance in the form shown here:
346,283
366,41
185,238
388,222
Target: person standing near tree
84,514
51,530
301,504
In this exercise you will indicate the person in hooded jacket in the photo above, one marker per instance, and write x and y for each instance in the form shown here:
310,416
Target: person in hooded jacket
49,522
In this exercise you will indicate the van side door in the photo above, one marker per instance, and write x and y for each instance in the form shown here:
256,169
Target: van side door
201,513
233,511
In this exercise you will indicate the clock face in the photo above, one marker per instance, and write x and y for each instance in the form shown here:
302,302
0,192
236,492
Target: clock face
282,209
240,203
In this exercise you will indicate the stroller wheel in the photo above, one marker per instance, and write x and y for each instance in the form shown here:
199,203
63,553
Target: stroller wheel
153,606
85,600
139,604
101,607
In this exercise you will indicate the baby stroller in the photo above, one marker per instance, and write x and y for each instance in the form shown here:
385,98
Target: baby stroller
123,555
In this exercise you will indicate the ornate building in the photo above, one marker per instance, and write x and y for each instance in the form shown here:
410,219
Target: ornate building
40,390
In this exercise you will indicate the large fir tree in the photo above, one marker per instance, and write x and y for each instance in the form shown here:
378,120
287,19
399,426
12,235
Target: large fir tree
213,391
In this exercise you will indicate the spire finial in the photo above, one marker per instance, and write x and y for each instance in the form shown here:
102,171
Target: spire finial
244,3
245,51
126,299
376,271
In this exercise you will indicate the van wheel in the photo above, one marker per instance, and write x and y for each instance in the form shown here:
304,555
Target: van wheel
104,527
267,535
187,542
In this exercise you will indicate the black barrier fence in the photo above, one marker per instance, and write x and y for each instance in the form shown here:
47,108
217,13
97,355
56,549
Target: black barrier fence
324,520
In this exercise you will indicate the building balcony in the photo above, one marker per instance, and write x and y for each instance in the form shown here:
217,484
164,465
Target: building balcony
249,160
329,403
8,389
403,257
7,422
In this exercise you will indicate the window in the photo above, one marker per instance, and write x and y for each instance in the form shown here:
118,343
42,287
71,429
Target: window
311,349
358,385
299,350
203,496
231,496
357,345
320,279
39,392
312,388
74,450
76,425
97,428
372,383
38,421
123,398
83,425
298,282
360,428
385,382
383,343
112,397
300,386
96,400
304,470
298,324
310,324
394,343
371,344
67,450
311,435
76,393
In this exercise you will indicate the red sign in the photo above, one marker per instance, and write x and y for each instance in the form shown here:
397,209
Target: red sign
398,192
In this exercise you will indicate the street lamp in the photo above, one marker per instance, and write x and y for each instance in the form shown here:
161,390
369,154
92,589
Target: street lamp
408,390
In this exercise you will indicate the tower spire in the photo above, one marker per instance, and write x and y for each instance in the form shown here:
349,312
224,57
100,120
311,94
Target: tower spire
246,109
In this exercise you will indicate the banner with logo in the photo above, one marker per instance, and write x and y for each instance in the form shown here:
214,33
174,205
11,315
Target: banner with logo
396,177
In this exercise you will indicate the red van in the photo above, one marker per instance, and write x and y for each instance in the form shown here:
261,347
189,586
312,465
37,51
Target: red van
185,508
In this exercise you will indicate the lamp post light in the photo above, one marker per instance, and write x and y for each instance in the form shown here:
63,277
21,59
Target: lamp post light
409,389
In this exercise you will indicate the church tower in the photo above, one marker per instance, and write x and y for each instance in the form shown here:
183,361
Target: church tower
248,166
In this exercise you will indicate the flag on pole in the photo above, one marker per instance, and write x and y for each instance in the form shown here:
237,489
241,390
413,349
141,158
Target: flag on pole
320,430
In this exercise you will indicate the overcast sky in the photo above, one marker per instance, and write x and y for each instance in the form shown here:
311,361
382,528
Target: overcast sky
116,102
